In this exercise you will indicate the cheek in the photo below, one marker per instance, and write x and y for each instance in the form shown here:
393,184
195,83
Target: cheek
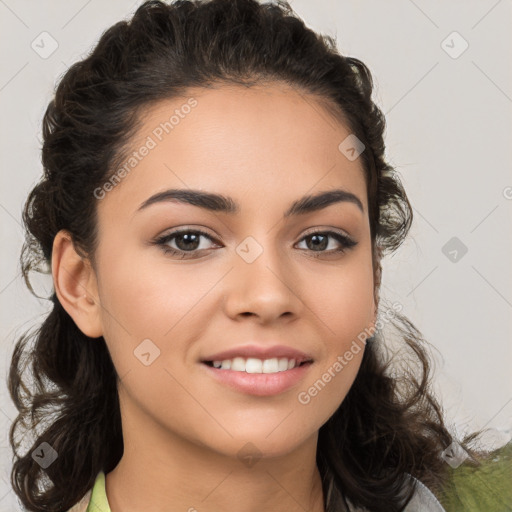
149,311
344,302
344,307
157,300
147,295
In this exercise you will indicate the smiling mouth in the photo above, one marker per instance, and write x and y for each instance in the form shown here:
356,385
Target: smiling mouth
257,366
258,377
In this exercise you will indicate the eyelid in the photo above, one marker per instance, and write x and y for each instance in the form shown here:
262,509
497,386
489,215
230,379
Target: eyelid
325,229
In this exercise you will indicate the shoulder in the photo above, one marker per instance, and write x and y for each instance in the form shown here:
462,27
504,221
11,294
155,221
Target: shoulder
423,499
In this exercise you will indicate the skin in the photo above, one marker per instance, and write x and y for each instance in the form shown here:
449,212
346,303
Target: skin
264,146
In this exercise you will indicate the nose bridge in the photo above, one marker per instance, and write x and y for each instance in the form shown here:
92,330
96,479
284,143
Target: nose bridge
261,261
262,281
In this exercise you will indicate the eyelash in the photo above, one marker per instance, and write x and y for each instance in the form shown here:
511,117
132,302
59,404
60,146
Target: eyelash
346,242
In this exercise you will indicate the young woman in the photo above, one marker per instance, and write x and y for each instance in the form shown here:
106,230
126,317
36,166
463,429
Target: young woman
214,209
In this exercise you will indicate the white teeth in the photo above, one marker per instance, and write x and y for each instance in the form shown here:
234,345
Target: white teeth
238,364
254,365
283,364
271,365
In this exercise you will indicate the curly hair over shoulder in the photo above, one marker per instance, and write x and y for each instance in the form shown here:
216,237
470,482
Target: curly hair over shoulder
388,427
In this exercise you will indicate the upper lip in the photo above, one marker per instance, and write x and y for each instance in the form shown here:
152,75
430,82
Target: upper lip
260,352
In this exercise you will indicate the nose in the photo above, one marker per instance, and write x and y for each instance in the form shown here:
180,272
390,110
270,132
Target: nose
265,288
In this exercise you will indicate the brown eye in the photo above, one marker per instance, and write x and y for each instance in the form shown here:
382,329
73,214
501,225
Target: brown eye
186,241
319,241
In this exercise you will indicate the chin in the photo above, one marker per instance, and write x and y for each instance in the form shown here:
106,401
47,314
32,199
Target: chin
258,445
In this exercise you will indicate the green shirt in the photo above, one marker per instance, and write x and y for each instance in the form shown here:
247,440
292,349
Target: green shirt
99,502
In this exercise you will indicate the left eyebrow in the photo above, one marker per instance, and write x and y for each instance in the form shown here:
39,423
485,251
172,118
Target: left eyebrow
224,204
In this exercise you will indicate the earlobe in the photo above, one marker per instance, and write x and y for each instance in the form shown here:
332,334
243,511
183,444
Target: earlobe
75,285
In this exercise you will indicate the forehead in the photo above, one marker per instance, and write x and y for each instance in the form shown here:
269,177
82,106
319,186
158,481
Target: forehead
261,143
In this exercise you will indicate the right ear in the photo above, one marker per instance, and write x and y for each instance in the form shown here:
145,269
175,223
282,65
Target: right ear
377,277
75,285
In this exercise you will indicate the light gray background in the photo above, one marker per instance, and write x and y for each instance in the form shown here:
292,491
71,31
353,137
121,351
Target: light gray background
449,135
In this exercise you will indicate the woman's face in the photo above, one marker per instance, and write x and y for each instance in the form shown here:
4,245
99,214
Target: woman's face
257,280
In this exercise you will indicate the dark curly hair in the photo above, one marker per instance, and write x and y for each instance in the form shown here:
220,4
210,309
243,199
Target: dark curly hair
390,424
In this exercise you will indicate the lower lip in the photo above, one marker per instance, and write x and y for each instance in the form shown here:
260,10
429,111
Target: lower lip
259,384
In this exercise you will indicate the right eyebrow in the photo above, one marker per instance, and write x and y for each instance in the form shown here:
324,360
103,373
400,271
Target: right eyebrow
225,204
